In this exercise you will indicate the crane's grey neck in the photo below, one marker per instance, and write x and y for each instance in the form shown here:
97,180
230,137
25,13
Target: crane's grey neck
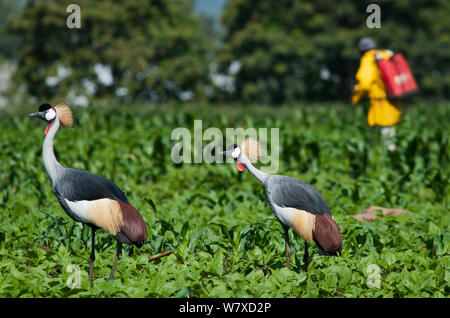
52,166
261,176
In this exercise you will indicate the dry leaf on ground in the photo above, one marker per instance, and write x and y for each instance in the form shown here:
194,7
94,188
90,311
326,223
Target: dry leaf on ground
370,213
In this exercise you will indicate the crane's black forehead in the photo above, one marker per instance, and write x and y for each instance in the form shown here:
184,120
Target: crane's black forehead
44,106
232,147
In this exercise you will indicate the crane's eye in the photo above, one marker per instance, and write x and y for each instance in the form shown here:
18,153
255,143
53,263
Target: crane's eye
51,114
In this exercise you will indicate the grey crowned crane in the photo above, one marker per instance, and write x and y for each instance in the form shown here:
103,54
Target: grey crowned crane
296,204
86,197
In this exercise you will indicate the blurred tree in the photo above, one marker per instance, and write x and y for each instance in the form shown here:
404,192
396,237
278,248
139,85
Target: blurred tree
8,43
143,48
292,49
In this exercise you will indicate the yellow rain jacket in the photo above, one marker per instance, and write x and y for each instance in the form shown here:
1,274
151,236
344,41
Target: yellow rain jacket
382,112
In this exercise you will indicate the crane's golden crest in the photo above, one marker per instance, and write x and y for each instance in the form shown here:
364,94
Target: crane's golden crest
251,149
65,115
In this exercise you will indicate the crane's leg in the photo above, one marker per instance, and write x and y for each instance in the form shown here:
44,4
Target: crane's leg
113,269
306,256
288,246
92,257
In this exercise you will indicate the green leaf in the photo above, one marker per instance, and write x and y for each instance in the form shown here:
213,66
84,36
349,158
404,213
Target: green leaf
433,229
389,257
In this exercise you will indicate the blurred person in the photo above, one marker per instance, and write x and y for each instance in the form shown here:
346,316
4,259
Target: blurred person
382,112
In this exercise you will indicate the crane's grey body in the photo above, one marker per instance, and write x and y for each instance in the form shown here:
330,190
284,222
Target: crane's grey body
286,192
75,185
89,187
89,198
296,205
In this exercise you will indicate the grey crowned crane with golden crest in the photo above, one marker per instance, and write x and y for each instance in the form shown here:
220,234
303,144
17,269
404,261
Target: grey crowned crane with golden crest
296,204
86,197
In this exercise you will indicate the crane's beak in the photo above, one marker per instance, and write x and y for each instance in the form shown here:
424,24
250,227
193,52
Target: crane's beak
226,153
40,115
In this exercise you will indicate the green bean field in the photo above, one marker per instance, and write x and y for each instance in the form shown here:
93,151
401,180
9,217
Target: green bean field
226,240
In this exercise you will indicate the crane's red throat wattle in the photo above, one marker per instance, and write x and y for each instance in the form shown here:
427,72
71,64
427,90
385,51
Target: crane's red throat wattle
47,129
240,166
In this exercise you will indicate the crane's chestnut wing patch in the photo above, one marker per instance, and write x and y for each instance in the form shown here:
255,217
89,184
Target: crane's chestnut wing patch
133,229
326,234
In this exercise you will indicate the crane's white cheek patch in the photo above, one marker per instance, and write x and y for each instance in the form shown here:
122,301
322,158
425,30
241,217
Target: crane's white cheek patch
104,213
236,152
51,114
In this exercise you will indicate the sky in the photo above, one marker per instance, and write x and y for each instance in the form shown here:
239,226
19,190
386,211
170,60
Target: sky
210,7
